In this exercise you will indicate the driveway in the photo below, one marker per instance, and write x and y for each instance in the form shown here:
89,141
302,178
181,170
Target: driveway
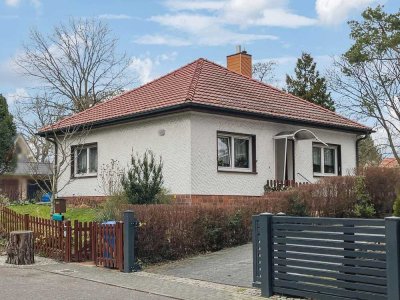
233,266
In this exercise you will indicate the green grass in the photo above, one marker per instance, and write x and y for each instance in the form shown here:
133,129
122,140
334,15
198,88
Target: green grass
43,211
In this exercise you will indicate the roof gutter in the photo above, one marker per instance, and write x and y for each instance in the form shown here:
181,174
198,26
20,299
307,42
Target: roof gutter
358,141
190,106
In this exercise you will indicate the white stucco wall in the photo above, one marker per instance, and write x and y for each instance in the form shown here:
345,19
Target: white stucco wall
118,142
189,152
205,178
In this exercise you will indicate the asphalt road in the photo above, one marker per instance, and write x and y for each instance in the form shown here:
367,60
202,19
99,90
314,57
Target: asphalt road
16,283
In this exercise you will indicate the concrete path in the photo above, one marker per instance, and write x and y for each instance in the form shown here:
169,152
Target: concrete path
233,266
17,283
81,281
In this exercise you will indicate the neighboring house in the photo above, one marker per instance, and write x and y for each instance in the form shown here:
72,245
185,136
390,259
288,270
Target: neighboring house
25,181
219,132
389,162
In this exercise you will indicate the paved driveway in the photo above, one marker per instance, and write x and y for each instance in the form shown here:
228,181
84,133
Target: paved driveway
233,266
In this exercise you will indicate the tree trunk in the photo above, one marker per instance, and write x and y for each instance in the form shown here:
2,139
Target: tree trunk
20,248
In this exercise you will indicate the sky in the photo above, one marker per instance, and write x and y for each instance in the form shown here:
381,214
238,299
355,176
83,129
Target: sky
162,35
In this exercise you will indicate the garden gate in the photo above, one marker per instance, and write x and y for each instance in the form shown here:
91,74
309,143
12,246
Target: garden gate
326,258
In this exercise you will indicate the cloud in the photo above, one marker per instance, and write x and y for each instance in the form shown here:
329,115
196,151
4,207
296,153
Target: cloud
205,22
332,12
158,39
19,94
114,17
144,66
12,2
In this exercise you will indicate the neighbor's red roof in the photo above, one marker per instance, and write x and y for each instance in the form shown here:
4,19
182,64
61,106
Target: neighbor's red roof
206,83
390,162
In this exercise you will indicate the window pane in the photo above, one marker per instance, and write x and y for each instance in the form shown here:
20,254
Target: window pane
316,160
329,161
81,163
93,160
242,153
224,151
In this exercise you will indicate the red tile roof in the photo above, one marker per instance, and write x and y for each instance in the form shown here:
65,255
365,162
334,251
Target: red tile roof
207,84
390,162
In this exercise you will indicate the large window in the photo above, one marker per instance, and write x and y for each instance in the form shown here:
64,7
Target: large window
235,152
325,160
85,160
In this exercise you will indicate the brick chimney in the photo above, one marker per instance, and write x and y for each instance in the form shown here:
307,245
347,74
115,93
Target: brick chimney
240,62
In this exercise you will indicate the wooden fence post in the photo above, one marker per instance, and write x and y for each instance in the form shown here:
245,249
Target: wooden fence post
129,241
266,254
392,225
26,221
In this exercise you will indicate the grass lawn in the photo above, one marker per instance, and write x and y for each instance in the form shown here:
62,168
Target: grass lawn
43,211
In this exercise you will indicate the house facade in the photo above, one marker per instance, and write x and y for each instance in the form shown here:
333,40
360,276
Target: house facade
29,178
218,131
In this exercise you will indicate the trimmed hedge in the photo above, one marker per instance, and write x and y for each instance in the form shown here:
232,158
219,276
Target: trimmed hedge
169,232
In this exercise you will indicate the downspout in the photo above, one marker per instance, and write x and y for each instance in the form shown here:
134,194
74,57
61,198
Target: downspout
54,180
358,148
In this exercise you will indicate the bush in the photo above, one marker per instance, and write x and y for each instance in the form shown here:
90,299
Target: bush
112,208
143,182
364,208
169,232
396,206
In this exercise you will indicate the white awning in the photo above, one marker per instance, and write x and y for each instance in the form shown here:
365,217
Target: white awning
300,134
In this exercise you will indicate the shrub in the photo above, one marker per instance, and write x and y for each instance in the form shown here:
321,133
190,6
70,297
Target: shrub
364,208
169,232
296,206
112,208
143,181
396,206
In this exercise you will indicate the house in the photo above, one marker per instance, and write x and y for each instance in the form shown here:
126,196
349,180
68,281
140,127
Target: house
389,162
219,132
29,177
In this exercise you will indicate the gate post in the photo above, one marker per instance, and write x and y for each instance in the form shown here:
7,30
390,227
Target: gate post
129,241
266,254
392,226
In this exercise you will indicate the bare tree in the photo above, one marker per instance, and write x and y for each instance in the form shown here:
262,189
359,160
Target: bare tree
367,76
110,178
33,113
63,141
77,64
264,71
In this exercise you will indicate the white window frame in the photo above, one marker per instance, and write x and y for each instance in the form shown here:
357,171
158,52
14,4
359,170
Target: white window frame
232,137
86,148
322,173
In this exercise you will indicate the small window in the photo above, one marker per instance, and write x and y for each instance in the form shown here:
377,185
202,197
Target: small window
85,160
235,152
324,160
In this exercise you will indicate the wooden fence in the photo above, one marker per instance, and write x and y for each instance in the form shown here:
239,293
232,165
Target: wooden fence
326,258
281,184
77,241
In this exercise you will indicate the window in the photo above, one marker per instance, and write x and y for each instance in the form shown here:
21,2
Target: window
235,152
324,160
85,160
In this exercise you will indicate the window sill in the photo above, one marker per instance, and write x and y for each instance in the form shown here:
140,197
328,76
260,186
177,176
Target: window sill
324,175
75,176
237,172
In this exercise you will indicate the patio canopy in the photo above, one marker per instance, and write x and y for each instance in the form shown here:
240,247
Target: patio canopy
300,134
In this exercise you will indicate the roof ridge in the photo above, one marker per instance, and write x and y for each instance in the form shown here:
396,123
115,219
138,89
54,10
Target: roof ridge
117,97
195,80
281,91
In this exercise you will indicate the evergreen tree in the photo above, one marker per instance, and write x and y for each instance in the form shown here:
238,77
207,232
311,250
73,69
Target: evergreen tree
8,134
369,154
308,84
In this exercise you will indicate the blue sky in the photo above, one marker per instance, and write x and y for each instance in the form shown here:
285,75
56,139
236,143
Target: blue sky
163,35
